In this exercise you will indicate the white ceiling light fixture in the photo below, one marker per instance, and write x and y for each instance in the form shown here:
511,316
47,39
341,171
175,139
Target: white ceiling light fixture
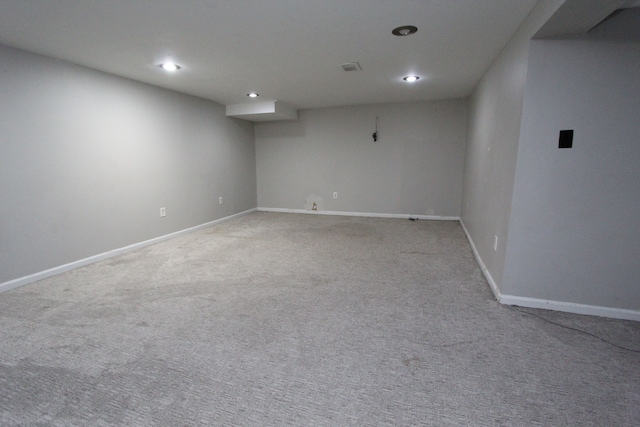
170,66
411,79
405,30
253,95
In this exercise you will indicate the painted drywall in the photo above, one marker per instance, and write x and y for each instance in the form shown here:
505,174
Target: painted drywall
575,229
414,168
87,159
492,144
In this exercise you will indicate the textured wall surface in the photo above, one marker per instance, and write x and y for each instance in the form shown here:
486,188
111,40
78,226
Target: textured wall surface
495,114
87,159
575,228
415,167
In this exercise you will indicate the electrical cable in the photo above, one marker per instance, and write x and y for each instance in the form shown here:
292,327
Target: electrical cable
375,134
517,308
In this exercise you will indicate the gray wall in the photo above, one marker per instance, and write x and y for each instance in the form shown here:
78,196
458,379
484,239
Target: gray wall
87,159
492,142
575,229
415,168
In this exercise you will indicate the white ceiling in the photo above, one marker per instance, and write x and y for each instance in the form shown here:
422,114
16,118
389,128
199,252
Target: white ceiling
287,50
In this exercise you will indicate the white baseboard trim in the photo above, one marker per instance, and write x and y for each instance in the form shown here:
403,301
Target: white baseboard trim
568,307
21,281
483,267
362,214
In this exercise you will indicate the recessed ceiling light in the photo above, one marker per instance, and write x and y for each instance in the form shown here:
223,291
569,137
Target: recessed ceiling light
169,66
405,30
253,95
411,79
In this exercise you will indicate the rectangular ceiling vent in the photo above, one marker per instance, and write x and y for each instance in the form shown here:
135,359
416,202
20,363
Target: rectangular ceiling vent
351,66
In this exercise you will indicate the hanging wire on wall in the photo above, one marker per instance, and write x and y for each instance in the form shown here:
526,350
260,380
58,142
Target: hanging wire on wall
375,134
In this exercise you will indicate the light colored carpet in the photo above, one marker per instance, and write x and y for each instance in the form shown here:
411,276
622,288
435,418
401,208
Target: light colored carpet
304,320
